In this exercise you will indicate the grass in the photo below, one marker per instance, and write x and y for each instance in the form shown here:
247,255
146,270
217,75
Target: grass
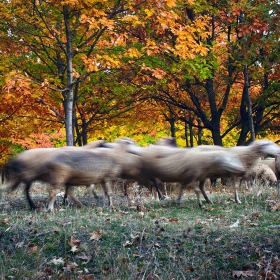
145,239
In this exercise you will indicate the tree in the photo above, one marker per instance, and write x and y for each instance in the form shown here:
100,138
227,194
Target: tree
209,88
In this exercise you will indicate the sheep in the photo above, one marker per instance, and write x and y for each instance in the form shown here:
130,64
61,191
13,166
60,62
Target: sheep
260,171
81,167
200,163
170,164
248,155
132,166
27,165
274,164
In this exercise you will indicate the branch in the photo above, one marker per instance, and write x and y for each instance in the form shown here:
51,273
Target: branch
52,109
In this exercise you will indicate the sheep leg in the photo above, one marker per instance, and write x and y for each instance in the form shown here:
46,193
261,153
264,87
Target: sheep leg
108,192
180,194
52,192
160,196
27,194
70,191
91,187
14,185
65,194
237,200
125,189
202,189
197,192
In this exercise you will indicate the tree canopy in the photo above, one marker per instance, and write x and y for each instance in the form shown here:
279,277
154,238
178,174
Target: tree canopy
74,71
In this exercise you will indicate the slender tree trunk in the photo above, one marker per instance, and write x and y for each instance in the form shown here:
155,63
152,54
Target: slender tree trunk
172,127
191,132
70,92
199,136
186,129
248,101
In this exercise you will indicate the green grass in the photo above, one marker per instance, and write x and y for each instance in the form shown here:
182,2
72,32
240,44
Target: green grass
145,240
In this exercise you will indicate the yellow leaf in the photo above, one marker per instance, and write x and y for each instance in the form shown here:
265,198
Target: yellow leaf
171,3
149,12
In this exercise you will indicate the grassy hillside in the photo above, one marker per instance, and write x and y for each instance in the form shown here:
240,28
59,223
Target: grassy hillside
143,239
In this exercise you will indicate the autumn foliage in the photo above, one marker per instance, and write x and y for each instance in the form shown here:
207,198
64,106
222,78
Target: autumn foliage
74,71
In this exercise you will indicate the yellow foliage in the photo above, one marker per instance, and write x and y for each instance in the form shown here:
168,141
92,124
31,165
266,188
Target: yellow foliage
133,53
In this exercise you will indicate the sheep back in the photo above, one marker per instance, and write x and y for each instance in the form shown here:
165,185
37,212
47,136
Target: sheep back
82,167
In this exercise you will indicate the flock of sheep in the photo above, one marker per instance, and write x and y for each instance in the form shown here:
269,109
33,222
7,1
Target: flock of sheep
102,162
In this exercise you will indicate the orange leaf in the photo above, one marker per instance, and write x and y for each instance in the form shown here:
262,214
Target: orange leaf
33,250
74,242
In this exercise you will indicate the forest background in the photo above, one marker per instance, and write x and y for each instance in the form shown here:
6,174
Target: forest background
74,71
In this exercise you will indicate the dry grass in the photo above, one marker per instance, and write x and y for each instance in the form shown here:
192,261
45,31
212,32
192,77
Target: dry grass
142,238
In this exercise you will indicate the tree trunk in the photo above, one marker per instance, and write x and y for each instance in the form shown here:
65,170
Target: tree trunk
186,129
191,132
248,101
172,127
69,91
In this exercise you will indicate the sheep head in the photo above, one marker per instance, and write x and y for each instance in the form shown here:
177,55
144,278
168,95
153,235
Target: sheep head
167,141
267,147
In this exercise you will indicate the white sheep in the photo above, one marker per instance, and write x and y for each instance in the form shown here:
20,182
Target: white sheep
186,165
261,172
132,168
26,166
81,167
200,163
248,155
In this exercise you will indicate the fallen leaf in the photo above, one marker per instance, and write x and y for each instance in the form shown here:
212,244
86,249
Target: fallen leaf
234,224
157,245
190,268
33,250
74,249
172,220
86,277
56,261
69,266
275,207
239,274
255,215
259,193
128,244
74,242
141,214
19,244
84,257
5,221
96,235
